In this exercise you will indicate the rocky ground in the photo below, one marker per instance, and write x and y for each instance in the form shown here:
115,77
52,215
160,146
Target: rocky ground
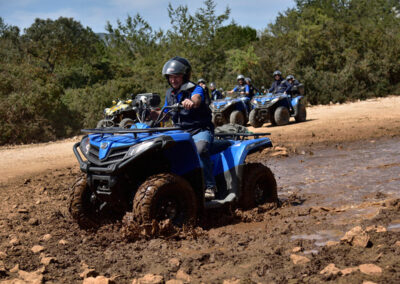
341,228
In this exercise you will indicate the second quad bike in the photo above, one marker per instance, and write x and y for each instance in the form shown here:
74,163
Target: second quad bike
278,108
234,109
156,174
125,113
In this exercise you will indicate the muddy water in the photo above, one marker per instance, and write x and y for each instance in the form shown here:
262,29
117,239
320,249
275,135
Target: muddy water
350,179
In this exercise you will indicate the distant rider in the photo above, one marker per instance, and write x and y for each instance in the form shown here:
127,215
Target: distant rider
277,82
202,83
241,88
195,118
291,82
215,94
252,90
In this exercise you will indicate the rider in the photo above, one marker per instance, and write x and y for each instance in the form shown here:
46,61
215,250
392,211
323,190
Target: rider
251,87
202,83
195,118
291,82
242,88
277,81
215,94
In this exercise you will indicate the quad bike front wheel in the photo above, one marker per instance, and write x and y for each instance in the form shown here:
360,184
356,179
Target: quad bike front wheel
82,208
105,123
281,116
217,120
254,120
259,186
165,196
126,123
237,117
301,114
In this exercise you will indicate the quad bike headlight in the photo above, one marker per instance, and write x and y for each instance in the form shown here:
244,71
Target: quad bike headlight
274,100
85,146
141,147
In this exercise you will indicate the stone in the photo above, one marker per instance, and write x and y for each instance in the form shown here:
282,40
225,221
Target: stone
37,249
348,270
34,277
182,275
397,244
3,270
47,260
149,279
88,272
330,269
298,259
357,237
231,281
98,280
15,242
62,242
33,222
331,243
297,249
174,263
368,282
370,269
46,237
174,281
15,269
3,255
23,210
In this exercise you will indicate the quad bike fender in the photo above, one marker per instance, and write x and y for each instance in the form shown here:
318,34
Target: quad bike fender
295,101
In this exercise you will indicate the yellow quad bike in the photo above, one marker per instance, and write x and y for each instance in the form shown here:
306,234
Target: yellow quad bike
125,113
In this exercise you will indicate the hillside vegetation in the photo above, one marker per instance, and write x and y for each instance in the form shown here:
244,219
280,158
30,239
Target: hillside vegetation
57,76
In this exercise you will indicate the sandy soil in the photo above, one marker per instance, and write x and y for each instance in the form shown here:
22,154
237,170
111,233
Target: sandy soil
40,242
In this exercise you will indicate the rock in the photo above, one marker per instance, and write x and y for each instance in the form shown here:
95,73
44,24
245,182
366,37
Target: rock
3,255
182,275
47,260
149,279
397,244
331,243
88,272
98,280
3,270
33,222
46,237
330,269
174,263
231,281
297,249
15,242
23,210
62,242
348,270
370,269
34,277
298,259
174,281
15,269
378,229
357,237
368,282
37,248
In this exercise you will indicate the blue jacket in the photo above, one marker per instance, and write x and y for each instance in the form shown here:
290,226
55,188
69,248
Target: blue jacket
193,120
216,95
275,86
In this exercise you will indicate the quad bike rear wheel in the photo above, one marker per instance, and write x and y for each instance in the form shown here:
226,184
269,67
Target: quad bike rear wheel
254,120
301,114
259,186
281,116
126,123
165,196
82,206
237,117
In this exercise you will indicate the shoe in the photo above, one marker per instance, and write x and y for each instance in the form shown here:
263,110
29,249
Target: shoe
210,193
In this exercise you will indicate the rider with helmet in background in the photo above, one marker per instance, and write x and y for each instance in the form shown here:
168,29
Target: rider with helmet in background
242,88
291,82
252,89
275,87
195,117
202,83
215,94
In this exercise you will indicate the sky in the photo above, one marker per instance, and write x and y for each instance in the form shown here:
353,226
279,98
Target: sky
95,13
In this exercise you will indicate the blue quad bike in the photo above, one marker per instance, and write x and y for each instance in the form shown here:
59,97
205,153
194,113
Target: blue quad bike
155,173
234,109
278,108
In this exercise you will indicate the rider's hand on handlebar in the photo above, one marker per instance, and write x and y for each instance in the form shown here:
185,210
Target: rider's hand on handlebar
187,104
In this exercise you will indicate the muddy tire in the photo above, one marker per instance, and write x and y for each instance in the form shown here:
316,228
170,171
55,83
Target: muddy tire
272,119
259,186
254,120
281,116
217,120
301,115
237,117
165,196
82,210
104,123
126,123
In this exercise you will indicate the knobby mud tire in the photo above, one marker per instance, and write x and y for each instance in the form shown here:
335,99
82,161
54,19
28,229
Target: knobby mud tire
237,117
301,115
151,200
126,123
254,120
81,209
282,116
259,186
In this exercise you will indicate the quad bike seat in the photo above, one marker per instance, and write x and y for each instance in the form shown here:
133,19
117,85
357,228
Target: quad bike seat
219,145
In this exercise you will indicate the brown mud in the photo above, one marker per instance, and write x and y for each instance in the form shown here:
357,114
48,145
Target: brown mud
327,185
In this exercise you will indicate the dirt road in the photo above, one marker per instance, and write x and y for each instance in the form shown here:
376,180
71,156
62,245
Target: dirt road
342,174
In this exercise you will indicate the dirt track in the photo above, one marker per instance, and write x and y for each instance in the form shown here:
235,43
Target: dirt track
290,244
